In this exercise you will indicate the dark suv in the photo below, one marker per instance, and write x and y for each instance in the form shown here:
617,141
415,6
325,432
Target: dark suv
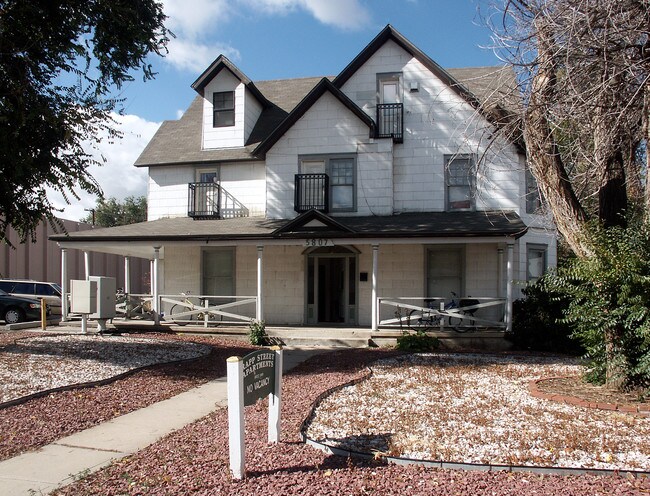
14,309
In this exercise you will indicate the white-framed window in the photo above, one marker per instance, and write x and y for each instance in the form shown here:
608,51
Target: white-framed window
535,261
223,106
460,180
342,173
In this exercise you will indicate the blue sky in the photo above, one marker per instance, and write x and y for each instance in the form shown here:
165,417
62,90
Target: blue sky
274,39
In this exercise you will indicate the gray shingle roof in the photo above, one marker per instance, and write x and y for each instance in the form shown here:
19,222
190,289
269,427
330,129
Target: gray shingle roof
412,225
179,141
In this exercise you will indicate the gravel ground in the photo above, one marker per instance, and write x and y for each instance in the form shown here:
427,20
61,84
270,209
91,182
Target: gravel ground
194,460
40,421
36,364
476,408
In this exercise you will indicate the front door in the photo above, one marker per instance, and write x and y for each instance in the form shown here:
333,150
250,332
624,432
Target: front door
331,287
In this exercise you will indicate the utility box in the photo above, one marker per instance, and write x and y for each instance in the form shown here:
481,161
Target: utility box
83,296
106,287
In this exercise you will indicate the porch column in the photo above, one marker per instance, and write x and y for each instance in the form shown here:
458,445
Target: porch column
259,305
87,264
64,284
509,288
154,286
500,273
375,274
127,276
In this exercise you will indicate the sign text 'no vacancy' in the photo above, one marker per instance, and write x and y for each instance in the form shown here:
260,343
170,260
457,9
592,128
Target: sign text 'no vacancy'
250,379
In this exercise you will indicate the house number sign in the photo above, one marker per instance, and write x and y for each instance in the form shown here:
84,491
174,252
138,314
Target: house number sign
318,242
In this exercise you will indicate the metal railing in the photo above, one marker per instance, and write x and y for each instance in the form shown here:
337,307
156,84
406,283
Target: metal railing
390,121
211,201
311,192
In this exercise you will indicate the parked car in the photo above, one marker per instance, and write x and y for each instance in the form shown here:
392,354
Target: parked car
14,309
36,290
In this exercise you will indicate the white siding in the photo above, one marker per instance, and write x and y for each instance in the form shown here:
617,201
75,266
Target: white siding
224,137
168,191
437,122
168,187
328,127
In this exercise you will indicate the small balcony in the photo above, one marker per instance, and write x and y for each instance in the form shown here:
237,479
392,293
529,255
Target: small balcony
211,201
390,121
311,192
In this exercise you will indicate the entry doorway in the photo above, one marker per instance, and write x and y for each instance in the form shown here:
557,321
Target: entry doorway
331,286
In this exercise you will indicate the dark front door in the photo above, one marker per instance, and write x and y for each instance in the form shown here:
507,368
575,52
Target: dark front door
331,288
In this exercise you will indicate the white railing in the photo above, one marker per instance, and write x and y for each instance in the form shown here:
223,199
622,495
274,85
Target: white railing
460,314
206,310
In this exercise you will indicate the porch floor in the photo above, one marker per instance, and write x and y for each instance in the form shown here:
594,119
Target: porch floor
347,337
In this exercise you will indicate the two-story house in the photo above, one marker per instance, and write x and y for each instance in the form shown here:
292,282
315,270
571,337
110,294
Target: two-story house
333,201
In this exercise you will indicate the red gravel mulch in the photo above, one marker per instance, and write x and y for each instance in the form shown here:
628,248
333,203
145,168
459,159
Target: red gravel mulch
194,460
41,421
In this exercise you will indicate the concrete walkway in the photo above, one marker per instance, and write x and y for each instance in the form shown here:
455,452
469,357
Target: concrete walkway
71,457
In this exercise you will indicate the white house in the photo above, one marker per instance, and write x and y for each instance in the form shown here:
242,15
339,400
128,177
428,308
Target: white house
334,201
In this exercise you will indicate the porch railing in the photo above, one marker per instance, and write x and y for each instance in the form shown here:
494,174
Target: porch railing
474,313
390,121
311,192
212,201
207,310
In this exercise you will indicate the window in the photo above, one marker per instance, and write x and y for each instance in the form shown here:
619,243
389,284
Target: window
460,178
390,118
219,272
533,200
445,269
224,109
341,170
535,262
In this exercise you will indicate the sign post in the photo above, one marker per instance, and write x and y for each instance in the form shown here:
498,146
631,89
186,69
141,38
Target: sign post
250,379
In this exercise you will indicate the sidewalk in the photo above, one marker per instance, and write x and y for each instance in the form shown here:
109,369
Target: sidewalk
59,463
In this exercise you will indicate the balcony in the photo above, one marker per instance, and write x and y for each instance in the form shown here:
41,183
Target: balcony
311,192
390,121
211,201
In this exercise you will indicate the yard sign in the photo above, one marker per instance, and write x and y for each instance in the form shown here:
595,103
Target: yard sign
251,378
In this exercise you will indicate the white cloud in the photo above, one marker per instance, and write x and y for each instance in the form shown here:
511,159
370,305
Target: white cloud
194,18
117,177
344,14
194,56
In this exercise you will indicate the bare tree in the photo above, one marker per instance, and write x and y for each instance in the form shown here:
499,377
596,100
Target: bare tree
583,68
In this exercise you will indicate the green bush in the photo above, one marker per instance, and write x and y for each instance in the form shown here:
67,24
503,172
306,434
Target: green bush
608,308
417,342
537,322
257,333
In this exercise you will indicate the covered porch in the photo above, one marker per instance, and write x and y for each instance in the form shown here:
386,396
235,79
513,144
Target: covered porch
316,270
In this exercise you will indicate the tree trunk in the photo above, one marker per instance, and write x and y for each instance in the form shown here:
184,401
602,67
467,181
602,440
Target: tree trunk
543,155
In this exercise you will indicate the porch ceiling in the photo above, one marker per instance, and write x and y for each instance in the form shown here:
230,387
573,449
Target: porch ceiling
139,239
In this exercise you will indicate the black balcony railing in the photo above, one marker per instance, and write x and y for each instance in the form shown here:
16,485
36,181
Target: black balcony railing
211,201
311,193
390,121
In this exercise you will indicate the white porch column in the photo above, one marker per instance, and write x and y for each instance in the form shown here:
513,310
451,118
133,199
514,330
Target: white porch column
375,275
64,284
259,305
87,264
127,276
509,289
154,286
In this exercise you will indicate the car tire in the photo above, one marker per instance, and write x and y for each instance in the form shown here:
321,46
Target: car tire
14,316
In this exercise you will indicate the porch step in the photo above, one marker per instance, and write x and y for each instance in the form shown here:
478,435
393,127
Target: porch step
484,340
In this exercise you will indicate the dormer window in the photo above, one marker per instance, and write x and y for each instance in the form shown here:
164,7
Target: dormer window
223,103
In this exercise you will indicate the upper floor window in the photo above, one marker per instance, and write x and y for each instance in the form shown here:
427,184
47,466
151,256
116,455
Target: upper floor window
390,110
460,178
223,103
533,198
341,182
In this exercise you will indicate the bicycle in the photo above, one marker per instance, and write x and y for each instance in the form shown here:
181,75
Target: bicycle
179,311
425,320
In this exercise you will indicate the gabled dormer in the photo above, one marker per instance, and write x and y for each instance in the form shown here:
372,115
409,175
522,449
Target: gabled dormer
231,105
